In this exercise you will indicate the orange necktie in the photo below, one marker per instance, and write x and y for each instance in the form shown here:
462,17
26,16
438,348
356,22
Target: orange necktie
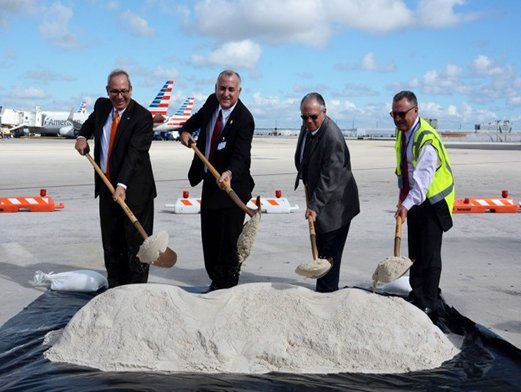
113,131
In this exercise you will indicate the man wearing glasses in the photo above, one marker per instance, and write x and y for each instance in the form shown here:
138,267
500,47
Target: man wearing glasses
426,198
122,131
324,166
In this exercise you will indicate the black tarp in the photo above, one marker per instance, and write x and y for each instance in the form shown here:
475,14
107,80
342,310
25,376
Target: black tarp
486,363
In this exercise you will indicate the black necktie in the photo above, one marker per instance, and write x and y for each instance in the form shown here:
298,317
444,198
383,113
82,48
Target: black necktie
305,157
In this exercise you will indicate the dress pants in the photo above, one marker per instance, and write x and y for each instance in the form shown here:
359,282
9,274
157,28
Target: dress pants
220,230
121,240
331,245
424,243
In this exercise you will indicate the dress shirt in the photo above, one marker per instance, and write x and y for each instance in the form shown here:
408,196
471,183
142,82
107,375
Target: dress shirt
420,178
105,140
211,125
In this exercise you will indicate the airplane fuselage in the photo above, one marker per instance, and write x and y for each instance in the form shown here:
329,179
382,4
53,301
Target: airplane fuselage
60,123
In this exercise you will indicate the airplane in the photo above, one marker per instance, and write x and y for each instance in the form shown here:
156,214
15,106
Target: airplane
159,106
53,123
165,131
74,124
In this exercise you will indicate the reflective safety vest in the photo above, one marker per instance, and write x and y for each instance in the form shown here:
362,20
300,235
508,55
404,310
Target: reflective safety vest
442,186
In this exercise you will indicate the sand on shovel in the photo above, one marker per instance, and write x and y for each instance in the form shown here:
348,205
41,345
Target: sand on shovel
247,238
315,270
391,268
153,247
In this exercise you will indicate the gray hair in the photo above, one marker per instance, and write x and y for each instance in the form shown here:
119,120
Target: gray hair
229,73
314,96
408,95
118,72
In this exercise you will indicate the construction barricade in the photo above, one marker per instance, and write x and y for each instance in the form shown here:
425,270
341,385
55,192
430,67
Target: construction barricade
500,205
29,204
270,205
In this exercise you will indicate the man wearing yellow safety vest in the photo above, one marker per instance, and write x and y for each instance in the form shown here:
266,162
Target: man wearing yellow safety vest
426,198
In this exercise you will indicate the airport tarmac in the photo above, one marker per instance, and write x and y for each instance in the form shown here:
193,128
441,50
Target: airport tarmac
481,275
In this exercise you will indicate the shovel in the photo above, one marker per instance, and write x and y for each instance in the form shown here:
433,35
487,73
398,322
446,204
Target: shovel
154,249
394,267
249,230
227,187
318,267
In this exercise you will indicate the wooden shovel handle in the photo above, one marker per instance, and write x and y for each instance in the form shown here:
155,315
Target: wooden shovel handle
227,187
312,237
397,236
120,201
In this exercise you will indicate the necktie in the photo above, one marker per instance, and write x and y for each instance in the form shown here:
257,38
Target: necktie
305,157
405,171
216,134
113,131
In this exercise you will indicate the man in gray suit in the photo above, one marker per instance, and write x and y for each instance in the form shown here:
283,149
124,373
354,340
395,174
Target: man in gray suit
323,163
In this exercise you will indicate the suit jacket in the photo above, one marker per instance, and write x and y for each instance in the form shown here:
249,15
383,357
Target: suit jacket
130,160
235,154
332,189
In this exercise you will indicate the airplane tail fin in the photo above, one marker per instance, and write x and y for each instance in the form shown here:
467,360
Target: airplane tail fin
82,108
182,114
159,106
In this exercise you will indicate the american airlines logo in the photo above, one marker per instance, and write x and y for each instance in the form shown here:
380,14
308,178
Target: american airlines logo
51,122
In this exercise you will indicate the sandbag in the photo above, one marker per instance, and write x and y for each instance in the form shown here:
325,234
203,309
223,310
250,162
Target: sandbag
79,280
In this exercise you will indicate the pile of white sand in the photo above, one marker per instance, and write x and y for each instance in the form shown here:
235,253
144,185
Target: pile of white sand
251,328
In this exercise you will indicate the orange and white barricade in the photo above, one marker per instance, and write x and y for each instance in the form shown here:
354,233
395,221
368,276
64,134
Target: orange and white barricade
29,204
270,205
500,205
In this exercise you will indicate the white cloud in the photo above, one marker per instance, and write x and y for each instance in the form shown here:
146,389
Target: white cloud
369,64
447,81
30,92
8,7
441,13
112,5
55,26
235,54
137,25
165,73
269,20
375,16
48,75
483,65
312,22
452,110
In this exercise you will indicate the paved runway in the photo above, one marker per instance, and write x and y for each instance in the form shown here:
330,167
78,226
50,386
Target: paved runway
481,274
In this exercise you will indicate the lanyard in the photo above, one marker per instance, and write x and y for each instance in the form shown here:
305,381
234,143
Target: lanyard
408,140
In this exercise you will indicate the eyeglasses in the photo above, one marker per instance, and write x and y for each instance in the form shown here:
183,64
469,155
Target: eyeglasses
116,92
312,117
401,114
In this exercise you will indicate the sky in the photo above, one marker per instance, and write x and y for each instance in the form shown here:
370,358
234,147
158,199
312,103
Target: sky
460,57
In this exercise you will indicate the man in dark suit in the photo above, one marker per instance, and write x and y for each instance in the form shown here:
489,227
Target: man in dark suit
323,163
226,132
122,131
